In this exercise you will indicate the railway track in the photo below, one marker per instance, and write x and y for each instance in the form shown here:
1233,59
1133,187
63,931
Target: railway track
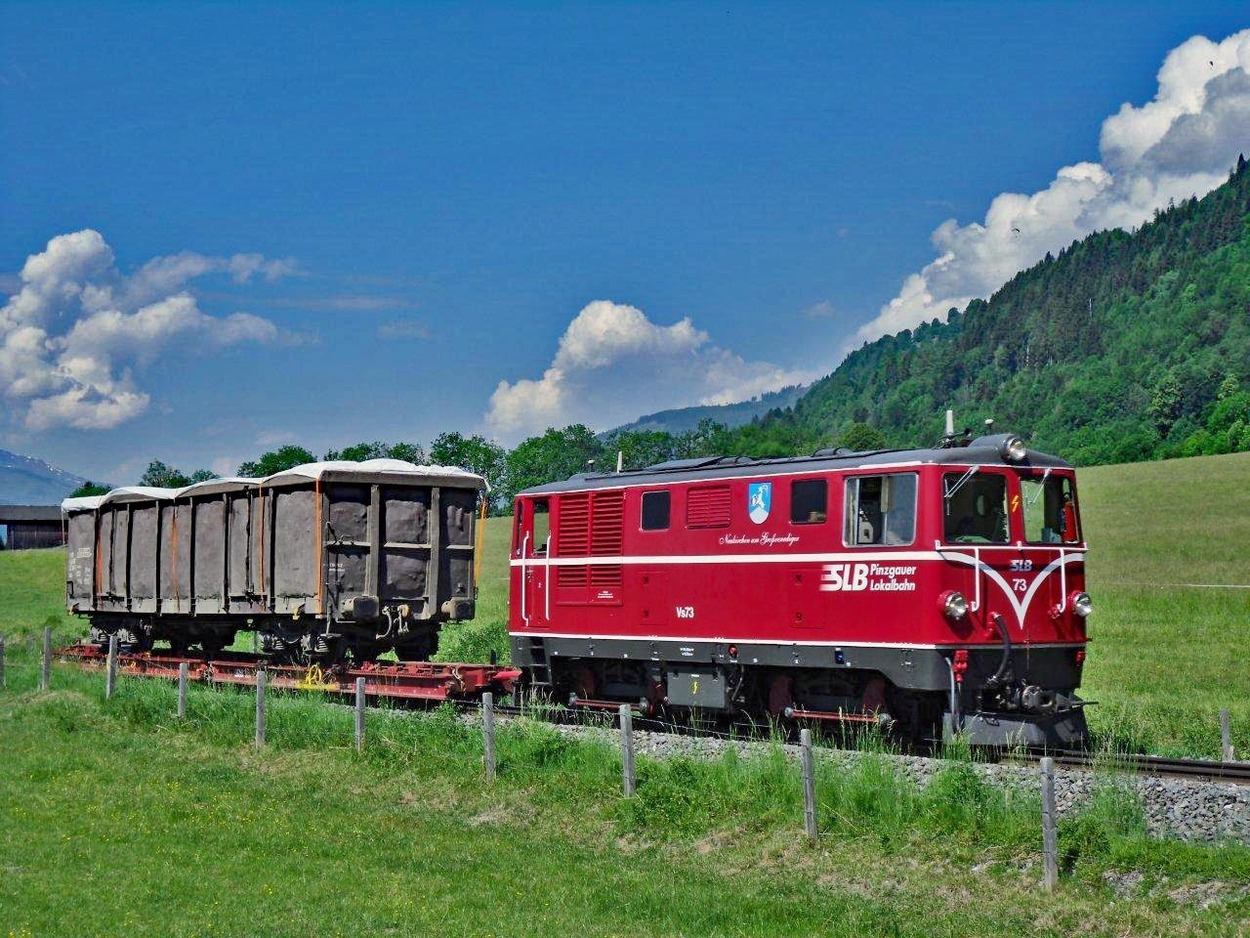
1201,770
462,685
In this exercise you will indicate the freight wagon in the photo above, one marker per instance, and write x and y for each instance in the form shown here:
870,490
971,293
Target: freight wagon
321,560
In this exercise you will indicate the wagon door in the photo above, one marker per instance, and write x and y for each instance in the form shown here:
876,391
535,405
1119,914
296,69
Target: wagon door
535,552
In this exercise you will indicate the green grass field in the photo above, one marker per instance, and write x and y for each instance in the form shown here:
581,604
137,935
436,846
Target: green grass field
120,819
116,818
1168,636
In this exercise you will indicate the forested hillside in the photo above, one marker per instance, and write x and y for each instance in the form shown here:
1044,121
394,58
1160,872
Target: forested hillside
1127,346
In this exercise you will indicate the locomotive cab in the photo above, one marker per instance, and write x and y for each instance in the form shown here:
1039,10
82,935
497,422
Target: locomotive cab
1014,572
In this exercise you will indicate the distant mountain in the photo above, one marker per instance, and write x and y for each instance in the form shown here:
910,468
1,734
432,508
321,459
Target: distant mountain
25,480
684,419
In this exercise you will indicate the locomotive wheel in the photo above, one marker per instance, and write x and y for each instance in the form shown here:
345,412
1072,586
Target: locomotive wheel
917,716
780,694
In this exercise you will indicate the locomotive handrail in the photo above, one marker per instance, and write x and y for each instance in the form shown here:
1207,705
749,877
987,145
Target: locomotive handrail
1018,546
547,579
1063,582
525,617
976,601
976,557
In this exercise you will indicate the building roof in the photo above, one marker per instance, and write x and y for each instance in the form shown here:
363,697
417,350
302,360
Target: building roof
26,514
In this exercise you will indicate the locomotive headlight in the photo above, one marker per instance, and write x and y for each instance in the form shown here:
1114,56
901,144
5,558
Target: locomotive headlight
1082,605
1013,449
954,606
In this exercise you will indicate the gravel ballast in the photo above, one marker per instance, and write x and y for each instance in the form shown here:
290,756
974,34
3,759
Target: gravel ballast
1186,809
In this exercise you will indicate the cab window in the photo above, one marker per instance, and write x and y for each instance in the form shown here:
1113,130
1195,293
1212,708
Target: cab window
809,501
542,526
880,510
655,511
1049,510
975,508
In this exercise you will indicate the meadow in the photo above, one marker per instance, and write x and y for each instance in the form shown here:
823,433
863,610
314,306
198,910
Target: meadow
1169,571
118,818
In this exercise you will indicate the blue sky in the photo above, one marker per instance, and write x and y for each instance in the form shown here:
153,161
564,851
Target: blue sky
248,226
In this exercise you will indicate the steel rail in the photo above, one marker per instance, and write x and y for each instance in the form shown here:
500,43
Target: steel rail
1206,770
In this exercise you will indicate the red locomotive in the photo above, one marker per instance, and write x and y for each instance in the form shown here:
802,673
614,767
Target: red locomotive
936,591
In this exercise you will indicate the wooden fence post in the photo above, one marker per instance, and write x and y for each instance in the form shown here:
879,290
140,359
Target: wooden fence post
627,749
182,690
260,708
488,732
1050,843
110,674
360,715
809,785
630,781
1226,737
45,668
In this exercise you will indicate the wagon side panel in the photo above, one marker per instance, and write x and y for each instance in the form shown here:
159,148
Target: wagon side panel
111,558
144,557
175,558
405,547
456,551
295,555
208,553
80,561
347,545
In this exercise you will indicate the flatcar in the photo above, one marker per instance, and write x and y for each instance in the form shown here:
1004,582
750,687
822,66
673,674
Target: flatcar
936,591
323,561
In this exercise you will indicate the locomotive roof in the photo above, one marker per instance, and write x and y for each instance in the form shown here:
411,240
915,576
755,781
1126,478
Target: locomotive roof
370,470
984,450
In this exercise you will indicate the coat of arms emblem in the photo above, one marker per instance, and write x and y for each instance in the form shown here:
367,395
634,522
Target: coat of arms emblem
759,501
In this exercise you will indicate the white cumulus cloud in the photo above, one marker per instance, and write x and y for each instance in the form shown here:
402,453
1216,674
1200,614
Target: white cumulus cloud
614,364
1180,144
76,329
